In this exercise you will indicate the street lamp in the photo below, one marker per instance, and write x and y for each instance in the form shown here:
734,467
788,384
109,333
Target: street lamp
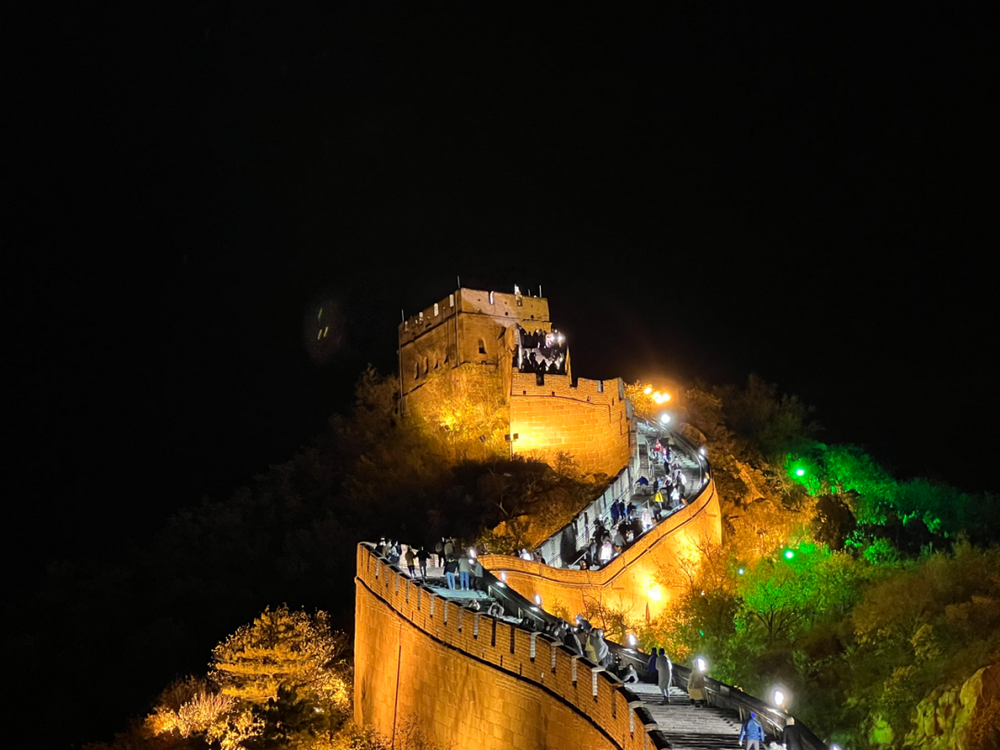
778,697
701,664
664,418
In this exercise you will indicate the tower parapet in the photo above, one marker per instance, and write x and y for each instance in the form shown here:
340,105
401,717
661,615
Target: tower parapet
476,344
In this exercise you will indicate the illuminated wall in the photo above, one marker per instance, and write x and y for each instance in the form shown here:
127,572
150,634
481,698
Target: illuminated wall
628,582
468,681
590,420
467,326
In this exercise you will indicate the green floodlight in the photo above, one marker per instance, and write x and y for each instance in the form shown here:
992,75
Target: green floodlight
800,472
789,554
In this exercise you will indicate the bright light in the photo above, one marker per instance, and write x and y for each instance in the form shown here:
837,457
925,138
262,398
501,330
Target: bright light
503,575
834,747
538,599
800,472
741,571
632,640
778,698
661,398
472,552
789,554
664,418
653,590
648,389
701,664
702,450
501,584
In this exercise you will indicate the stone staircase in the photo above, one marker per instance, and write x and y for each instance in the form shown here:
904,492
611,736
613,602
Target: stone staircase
686,727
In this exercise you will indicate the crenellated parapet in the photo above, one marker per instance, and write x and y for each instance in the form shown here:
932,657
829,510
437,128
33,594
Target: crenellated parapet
467,680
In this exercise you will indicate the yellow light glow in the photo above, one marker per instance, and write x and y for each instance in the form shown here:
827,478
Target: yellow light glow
653,590
661,398
648,390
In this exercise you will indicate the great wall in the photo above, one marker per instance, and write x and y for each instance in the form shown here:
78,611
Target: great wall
427,663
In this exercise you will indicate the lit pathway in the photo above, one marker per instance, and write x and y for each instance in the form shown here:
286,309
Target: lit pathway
687,727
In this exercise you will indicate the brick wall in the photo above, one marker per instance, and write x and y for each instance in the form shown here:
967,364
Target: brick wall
469,681
588,420
629,582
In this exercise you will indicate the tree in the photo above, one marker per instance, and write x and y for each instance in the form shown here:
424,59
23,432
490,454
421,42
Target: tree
284,651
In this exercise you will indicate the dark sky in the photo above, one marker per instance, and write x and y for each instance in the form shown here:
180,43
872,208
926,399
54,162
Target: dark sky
809,195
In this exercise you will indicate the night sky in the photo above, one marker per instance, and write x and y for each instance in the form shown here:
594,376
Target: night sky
809,197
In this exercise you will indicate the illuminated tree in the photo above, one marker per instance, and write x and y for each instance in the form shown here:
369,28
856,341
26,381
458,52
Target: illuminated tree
282,649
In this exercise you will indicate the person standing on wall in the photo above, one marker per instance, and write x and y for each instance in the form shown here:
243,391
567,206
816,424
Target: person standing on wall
464,568
753,732
450,568
477,575
439,551
411,560
422,557
664,674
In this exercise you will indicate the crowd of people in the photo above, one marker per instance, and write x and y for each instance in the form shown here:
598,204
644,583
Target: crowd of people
540,351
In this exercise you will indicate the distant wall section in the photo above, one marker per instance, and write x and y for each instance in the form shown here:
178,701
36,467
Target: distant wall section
631,582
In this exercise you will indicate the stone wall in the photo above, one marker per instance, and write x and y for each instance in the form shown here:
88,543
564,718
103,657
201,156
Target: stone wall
629,582
468,681
588,419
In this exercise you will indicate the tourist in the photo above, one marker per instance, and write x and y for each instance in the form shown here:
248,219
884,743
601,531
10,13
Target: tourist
411,560
646,519
590,650
572,641
439,551
422,557
450,568
618,540
696,687
630,675
664,674
477,575
449,549
474,605
614,513
495,610
753,732
651,664
601,650
464,568
606,552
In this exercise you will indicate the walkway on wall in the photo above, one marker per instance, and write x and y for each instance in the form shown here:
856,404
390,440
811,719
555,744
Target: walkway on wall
686,727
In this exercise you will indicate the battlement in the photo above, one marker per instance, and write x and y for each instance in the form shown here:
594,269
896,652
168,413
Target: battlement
472,681
506,309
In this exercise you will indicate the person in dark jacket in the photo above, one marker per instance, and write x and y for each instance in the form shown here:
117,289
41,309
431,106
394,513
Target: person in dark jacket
450,569
422,557
651,665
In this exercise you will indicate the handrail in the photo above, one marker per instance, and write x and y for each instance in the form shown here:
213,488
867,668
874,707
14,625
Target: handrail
598,509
